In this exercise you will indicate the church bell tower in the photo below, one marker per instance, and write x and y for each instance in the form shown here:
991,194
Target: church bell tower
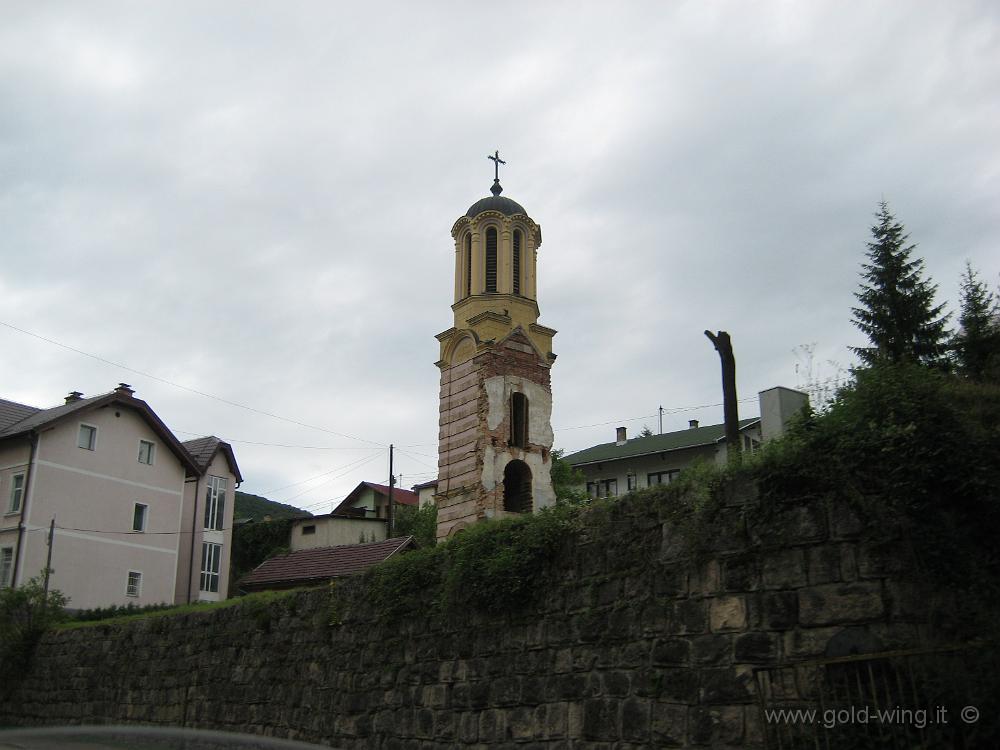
495,439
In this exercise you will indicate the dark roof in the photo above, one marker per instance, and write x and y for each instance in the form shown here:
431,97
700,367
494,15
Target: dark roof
403,497
641,446
424,485
43,418
203,450
12,412
321,564
506,206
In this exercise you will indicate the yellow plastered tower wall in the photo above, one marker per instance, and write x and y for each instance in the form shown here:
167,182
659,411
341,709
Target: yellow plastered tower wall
495,437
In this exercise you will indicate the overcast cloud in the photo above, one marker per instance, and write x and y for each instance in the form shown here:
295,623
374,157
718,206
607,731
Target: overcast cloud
255,201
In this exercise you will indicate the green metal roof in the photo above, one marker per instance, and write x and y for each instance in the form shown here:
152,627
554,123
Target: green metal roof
641,446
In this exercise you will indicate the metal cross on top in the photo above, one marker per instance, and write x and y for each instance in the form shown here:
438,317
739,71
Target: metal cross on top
497,161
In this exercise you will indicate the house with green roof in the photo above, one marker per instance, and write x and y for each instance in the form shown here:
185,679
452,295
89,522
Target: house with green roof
623,465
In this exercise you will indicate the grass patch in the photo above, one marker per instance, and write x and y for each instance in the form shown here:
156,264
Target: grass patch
256,600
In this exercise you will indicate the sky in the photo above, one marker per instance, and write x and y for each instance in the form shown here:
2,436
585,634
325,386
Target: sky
244,209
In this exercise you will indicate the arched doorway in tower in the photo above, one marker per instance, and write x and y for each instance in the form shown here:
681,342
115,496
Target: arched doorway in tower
517,487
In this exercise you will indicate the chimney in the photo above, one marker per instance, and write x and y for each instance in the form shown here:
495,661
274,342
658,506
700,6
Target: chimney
124,389
73,397
620,438
692,424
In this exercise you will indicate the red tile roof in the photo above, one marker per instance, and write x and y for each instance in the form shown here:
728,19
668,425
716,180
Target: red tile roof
401,497
321,564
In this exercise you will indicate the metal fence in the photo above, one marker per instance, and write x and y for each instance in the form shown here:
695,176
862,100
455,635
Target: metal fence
921,698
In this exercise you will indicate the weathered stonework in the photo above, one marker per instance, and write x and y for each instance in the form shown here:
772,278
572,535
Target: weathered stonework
626,648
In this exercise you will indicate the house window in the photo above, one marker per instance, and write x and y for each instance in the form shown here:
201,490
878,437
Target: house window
146,452
662,477
215,503
468,265
211,555
6,565
602,488
518,420
308,530
88,437
631,482
16,493
139,517
750,445
516,262
134,585
491,259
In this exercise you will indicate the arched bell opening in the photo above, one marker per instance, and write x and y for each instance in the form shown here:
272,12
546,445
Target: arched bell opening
517,487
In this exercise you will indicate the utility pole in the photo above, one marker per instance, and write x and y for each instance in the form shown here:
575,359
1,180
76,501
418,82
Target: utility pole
661,419
391,511
48,558
724,346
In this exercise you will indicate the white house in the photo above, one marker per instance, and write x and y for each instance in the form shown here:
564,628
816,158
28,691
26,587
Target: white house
616,468
139,517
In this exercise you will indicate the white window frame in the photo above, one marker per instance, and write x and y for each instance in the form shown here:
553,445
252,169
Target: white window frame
145,516
137,586
16,491
603,487
93,437
151,452
215,511
669,474
211,567
6,566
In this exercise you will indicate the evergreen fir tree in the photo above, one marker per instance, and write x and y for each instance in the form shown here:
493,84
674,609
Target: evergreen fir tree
897,310
977,343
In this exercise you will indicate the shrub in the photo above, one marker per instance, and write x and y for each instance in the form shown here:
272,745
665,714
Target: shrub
25,613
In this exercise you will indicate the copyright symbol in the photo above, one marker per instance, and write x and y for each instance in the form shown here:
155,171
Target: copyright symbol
970,714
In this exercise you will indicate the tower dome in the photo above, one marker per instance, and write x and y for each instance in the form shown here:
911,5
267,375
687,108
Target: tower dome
506,206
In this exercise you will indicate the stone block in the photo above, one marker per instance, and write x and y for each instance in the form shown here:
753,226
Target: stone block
882,560
468,727
741,573
635,720
616,683
845,521
823,564
784,569
671,651
600,719
712,650
689,616
725,685
727,613
718,726
803,643
668,724
521,724
840,602
556,718
755,648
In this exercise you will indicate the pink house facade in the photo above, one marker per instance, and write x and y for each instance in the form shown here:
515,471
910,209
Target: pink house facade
138,516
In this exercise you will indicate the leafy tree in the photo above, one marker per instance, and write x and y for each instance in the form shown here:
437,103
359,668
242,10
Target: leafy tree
25,613
255,542
977,342
897,310
566,481
421,523
645,431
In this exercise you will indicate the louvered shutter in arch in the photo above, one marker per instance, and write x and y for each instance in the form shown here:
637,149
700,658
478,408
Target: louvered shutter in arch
491,259
468,265
517,261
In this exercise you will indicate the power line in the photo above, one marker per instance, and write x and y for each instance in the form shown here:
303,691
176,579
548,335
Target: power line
345,473
325,473
277,445
190,390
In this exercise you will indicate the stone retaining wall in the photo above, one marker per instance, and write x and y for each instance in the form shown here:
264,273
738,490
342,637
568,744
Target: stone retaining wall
630,646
